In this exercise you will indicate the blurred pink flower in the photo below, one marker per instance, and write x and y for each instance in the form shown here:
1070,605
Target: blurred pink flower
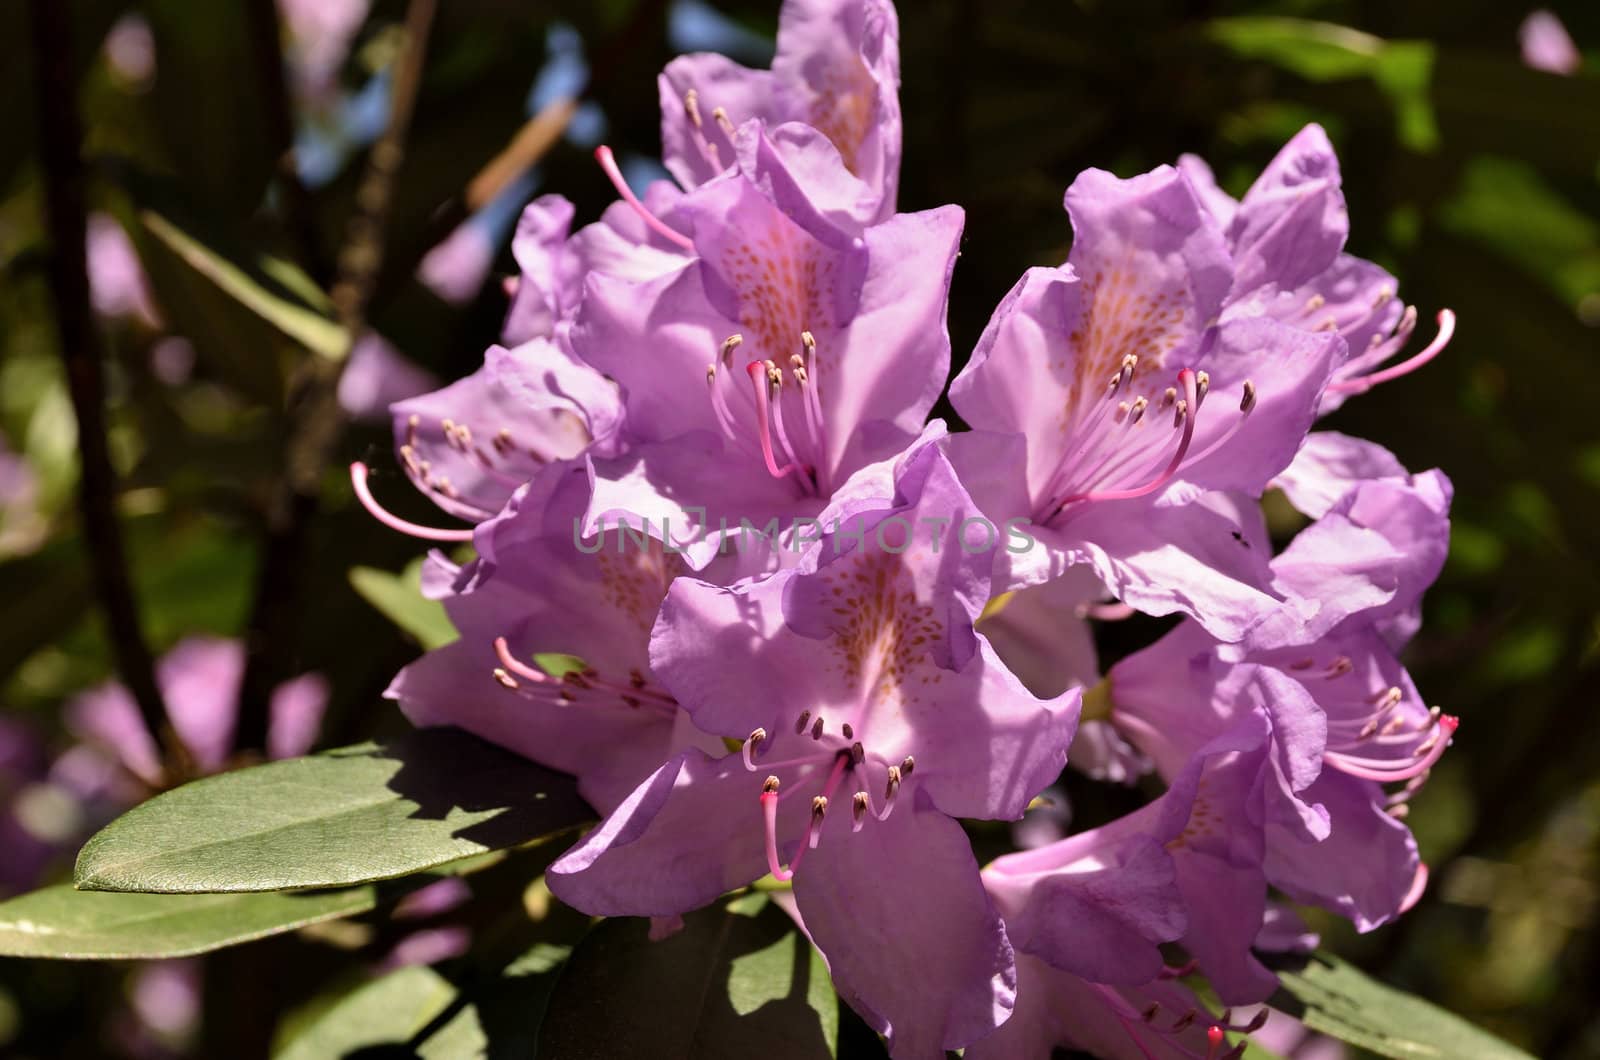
1546,44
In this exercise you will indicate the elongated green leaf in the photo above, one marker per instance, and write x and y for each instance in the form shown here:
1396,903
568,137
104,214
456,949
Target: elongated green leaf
739,980
1323,51
434,1016
88,925
1345,1003
399,597
385,1012
299,322
348,816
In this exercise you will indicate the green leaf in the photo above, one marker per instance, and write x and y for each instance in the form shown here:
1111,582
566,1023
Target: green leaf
352,815
254,289
388,1011
1345,1003
399,598
435,1017
1323,51
739,980
88,925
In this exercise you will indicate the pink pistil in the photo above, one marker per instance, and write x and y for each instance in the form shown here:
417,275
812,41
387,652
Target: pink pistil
358,481
1186,378
608,162
1361,384
758,378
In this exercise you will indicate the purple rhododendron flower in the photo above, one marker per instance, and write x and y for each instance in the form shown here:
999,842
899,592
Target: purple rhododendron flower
1547,46
117,283
837,70
320,33
794,348
37,819
1344,714
610,724
376,376
888,694
199,680
470,445
1137,402
1287,236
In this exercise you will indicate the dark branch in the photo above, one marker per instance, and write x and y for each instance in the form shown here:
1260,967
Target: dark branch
266,42
316,420
60,141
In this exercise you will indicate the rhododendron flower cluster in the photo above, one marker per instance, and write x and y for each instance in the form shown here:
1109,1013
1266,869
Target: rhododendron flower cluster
814,632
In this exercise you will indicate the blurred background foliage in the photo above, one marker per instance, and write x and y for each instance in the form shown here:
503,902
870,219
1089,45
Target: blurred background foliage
1470,175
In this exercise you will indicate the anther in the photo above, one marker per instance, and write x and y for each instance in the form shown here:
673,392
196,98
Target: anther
907,766
893,784
1180,412
1315,302
769,786
858,754
858,810
800,722
729,344
1184,1021
720,116
1168,396
1247,400
1339,667
691,107
506,679
711,374
1257,1021
816,728
1151,1011
750,745
1122,411
1136,412
1202,383
849,733
809,341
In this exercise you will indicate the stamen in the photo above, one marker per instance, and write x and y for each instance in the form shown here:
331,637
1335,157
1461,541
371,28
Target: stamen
750,745
819,810
358,481
720,116
1361,384
506,679
757,371
858,810
1181,419
691,107
1423,758
769,812
608,163
503,651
